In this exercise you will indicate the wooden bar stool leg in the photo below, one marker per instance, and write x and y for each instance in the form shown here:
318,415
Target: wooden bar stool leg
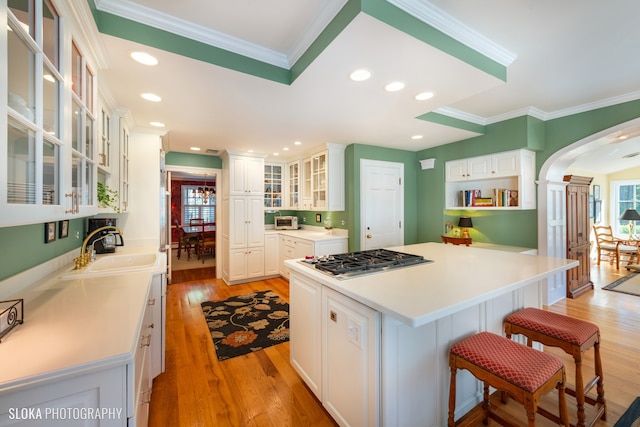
600,383
486,404
579,389
452,394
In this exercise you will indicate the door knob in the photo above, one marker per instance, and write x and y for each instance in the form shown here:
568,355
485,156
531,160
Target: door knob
369,236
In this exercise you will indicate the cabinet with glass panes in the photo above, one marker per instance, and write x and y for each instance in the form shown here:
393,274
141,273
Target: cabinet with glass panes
49,151
273,185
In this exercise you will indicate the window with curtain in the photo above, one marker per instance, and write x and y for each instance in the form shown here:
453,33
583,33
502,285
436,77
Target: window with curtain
626,195
194,206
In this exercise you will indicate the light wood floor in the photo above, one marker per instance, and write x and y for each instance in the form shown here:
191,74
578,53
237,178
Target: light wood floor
262,389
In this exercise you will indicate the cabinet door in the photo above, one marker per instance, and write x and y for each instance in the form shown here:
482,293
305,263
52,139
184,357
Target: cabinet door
304,248
479,167
237,264
254,183
255,221
306,336
255,262
238,222
306,184
505,164
456,170
319,181
292,186
350,334
271,254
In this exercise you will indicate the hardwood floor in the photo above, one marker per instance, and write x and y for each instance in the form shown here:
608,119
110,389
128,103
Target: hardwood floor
262,389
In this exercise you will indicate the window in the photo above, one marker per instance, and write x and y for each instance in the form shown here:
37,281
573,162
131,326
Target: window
193,205
626,195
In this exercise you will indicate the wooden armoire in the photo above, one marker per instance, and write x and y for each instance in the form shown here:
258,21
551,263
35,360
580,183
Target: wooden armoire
578,231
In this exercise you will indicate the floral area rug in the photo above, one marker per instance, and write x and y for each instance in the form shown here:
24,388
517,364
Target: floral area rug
246,323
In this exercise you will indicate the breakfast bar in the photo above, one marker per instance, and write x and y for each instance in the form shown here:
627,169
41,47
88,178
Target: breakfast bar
379,342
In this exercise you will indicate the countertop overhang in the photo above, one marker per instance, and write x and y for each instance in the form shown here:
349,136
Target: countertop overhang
459,277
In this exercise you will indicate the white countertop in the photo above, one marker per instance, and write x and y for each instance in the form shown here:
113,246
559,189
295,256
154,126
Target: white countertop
458,277
315,234
74,324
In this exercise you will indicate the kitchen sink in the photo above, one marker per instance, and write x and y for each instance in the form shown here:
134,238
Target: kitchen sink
114,264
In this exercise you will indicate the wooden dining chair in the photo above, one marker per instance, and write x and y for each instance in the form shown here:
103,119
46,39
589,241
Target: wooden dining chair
206,242
184,242
612,247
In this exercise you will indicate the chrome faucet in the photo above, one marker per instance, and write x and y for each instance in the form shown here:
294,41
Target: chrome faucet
85,258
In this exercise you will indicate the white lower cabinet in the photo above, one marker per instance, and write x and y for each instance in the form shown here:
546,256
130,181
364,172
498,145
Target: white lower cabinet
246,264
121,392
271,254
330,335
294,248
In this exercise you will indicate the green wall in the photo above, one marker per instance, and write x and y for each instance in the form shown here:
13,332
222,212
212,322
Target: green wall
24,246
173,158
518,228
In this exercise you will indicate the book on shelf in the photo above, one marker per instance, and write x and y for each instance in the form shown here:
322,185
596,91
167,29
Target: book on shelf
505,197
468,197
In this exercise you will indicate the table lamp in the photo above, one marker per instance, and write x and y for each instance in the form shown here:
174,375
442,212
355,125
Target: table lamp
630,215
465,223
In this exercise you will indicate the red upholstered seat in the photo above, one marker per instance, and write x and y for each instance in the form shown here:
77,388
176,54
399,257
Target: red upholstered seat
521,366
564,328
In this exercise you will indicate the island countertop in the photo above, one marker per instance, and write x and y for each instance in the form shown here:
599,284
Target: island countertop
457,278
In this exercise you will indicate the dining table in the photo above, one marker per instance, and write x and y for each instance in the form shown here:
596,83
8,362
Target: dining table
195,230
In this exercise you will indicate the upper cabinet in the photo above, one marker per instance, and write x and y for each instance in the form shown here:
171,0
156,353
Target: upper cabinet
292,185
273,185
246,175
503,180
49,152
323,179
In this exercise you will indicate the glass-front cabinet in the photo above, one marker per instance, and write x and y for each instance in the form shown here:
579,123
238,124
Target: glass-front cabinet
273,181
293,185
48,155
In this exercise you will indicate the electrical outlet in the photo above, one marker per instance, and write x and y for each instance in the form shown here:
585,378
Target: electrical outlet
354,330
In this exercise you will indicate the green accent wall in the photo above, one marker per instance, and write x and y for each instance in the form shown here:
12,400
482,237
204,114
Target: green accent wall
452,122
174,158
24,246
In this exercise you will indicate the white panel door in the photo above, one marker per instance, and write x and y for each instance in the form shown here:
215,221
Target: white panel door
382,204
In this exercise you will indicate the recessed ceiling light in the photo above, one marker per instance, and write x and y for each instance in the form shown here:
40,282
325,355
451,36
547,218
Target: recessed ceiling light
285,149
394,86
360,75
276,154
416,137
623,137
151,97
424,96
144,58
157,124
194,148
297,143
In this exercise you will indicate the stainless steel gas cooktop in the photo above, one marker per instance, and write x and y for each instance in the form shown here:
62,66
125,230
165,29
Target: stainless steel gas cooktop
352,264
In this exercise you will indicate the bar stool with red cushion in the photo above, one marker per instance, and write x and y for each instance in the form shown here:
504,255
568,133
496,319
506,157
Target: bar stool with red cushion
526,374
572,335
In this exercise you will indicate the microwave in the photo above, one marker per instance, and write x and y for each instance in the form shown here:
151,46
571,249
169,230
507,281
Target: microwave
285,223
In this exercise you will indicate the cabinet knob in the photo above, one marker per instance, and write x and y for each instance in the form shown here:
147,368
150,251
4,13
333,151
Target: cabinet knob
333,316
152,301
369,236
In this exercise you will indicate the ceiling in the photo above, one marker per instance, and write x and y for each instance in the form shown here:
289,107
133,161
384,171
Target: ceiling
560,58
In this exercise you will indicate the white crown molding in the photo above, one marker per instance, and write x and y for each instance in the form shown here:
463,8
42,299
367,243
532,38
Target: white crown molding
317,26
82,21
437,18
153,18
461,115
631,96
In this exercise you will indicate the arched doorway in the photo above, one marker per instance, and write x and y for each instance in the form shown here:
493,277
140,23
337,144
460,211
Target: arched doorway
551,198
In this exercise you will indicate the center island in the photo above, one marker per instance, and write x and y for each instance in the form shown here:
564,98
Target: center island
374,348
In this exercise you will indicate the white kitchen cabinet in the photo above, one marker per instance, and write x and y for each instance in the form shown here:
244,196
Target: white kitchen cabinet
273,185
245,264
351,349
334,338
121,384
271,254
507,178
305,319
292,185
306,184
246,175
157,305
246,222
325,170
295,247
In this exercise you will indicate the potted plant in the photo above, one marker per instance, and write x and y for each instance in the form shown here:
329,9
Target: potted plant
107,197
